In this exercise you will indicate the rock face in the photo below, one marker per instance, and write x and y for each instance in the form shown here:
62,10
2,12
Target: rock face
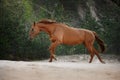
90,7
96,8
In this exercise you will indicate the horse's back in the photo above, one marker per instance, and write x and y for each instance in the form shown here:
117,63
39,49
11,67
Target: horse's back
72,36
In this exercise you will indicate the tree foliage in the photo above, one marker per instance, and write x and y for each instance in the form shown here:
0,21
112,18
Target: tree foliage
17,16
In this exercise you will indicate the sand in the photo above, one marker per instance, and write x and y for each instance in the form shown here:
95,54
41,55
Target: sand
58,70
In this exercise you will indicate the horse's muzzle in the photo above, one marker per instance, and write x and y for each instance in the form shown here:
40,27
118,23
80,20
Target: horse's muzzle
29,38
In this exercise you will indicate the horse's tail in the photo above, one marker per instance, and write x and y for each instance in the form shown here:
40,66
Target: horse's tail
100,42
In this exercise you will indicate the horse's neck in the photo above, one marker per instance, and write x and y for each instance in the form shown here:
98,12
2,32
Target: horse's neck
47,30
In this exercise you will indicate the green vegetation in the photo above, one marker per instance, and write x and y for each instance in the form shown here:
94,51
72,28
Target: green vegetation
17,16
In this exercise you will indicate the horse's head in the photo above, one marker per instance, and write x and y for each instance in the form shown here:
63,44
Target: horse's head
34,31
39,26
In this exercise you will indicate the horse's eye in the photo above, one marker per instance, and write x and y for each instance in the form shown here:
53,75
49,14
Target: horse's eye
32,29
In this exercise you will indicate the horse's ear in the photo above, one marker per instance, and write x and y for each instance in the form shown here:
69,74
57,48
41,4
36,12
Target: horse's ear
34,23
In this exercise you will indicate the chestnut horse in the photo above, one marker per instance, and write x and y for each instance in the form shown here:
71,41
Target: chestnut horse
62,34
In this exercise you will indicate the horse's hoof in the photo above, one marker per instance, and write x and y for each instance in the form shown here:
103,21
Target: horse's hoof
103,62
50,60
55,59
90,61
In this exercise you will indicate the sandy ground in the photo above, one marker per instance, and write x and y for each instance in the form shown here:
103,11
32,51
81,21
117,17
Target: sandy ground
59,70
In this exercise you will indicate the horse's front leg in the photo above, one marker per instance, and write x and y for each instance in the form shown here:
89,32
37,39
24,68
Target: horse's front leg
52,50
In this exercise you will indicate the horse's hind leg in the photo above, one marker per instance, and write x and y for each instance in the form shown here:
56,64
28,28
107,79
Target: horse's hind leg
92,55
96,52
90,50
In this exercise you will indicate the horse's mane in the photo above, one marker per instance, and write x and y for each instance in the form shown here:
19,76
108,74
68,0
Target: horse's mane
47,21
